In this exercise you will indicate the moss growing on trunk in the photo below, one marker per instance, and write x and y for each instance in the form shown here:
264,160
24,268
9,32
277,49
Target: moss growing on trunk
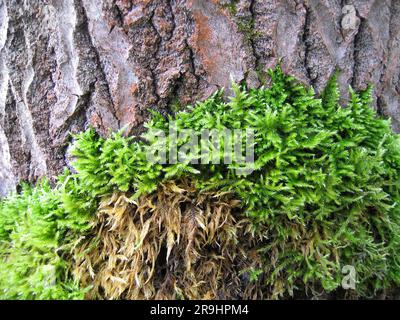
323,193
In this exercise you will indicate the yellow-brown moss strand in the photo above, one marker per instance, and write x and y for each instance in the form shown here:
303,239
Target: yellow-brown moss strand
175,243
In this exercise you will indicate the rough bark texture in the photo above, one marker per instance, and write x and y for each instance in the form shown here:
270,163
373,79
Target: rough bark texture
67,64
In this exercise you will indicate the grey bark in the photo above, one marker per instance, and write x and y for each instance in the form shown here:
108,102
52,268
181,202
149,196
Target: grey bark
65,65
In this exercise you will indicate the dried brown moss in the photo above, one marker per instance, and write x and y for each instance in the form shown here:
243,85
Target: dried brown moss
175,243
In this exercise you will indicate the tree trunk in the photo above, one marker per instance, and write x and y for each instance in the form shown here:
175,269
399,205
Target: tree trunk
68,64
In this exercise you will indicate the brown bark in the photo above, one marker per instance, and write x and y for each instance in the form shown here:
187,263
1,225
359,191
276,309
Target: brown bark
68,64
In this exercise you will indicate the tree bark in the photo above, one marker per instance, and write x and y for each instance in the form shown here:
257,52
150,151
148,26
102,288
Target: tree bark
68,64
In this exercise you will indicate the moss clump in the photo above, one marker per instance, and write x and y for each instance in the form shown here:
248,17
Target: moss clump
230,5
323,193
36,235
175,243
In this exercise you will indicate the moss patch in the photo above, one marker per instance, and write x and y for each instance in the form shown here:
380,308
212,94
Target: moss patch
323,194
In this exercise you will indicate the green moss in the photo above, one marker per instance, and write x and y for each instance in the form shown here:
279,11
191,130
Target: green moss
36,234
175,105
246,27
262,75
324,192
231,6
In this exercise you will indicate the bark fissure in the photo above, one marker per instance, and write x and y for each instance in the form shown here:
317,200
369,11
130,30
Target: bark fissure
154,58
252,44
84,29
305,41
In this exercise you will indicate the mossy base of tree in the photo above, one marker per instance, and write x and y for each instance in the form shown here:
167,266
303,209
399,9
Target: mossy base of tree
323,194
